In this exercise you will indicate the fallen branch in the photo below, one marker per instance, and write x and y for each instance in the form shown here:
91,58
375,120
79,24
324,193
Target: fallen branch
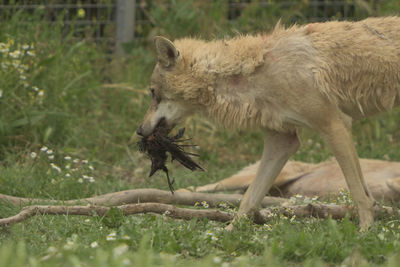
168,210
147,195
322,211
300,211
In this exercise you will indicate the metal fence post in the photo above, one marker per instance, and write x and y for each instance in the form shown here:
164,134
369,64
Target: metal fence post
125,23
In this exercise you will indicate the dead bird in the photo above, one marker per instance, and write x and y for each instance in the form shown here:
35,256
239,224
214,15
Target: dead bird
159,143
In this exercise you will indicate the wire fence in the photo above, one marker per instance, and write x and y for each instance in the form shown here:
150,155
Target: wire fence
119,20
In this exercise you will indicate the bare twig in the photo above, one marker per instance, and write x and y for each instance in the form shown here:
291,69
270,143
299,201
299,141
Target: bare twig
169,210
300,211
147,195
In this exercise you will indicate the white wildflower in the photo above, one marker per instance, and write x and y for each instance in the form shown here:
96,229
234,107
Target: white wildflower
85,161
44,149
15,54
91,179
111,236
80,180
22,77
91,168
33,155
51,157
41,93
75,161
31,53
67,158
68,166
67,175
55,167
94,244
49,152
35,88
25,46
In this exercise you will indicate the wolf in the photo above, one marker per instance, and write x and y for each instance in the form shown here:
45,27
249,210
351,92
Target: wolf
320,75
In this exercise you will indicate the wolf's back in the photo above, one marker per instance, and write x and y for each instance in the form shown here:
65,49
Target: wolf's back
359,62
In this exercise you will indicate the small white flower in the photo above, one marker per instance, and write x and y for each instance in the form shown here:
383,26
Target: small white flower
67,158
51,157
80,180
44,149
67,175
209,233
126,237
214,238
15,54
34,88
31,53
91,168
55,167
91,179
68,166
94,244
111,236
85,161
25,46
205,204
87,220
33,155
41,93
49,152
22,77
75,161
85,177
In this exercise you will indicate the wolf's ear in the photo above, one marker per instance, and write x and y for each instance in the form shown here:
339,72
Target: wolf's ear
166,52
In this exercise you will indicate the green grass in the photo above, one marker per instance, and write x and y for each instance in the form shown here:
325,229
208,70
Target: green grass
84,105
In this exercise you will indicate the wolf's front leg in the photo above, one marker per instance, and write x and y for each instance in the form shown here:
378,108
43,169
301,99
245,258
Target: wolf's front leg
278,147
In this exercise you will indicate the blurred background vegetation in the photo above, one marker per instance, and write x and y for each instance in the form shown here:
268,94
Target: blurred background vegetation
62,85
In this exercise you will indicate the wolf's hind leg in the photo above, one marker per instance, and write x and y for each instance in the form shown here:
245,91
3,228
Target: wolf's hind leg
339,138
278,147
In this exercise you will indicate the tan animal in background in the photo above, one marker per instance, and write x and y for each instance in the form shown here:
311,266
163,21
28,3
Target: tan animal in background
324,180
321,76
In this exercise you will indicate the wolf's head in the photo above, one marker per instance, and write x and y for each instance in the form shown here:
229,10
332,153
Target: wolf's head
168,106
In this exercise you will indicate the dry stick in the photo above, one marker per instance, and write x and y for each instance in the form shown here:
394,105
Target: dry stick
320,210
301,211
169,210
148,195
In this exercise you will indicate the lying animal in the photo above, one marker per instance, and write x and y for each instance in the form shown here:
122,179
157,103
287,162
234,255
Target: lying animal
323,180
320,76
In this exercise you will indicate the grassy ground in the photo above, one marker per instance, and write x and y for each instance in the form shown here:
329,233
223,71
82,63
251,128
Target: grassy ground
68,113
